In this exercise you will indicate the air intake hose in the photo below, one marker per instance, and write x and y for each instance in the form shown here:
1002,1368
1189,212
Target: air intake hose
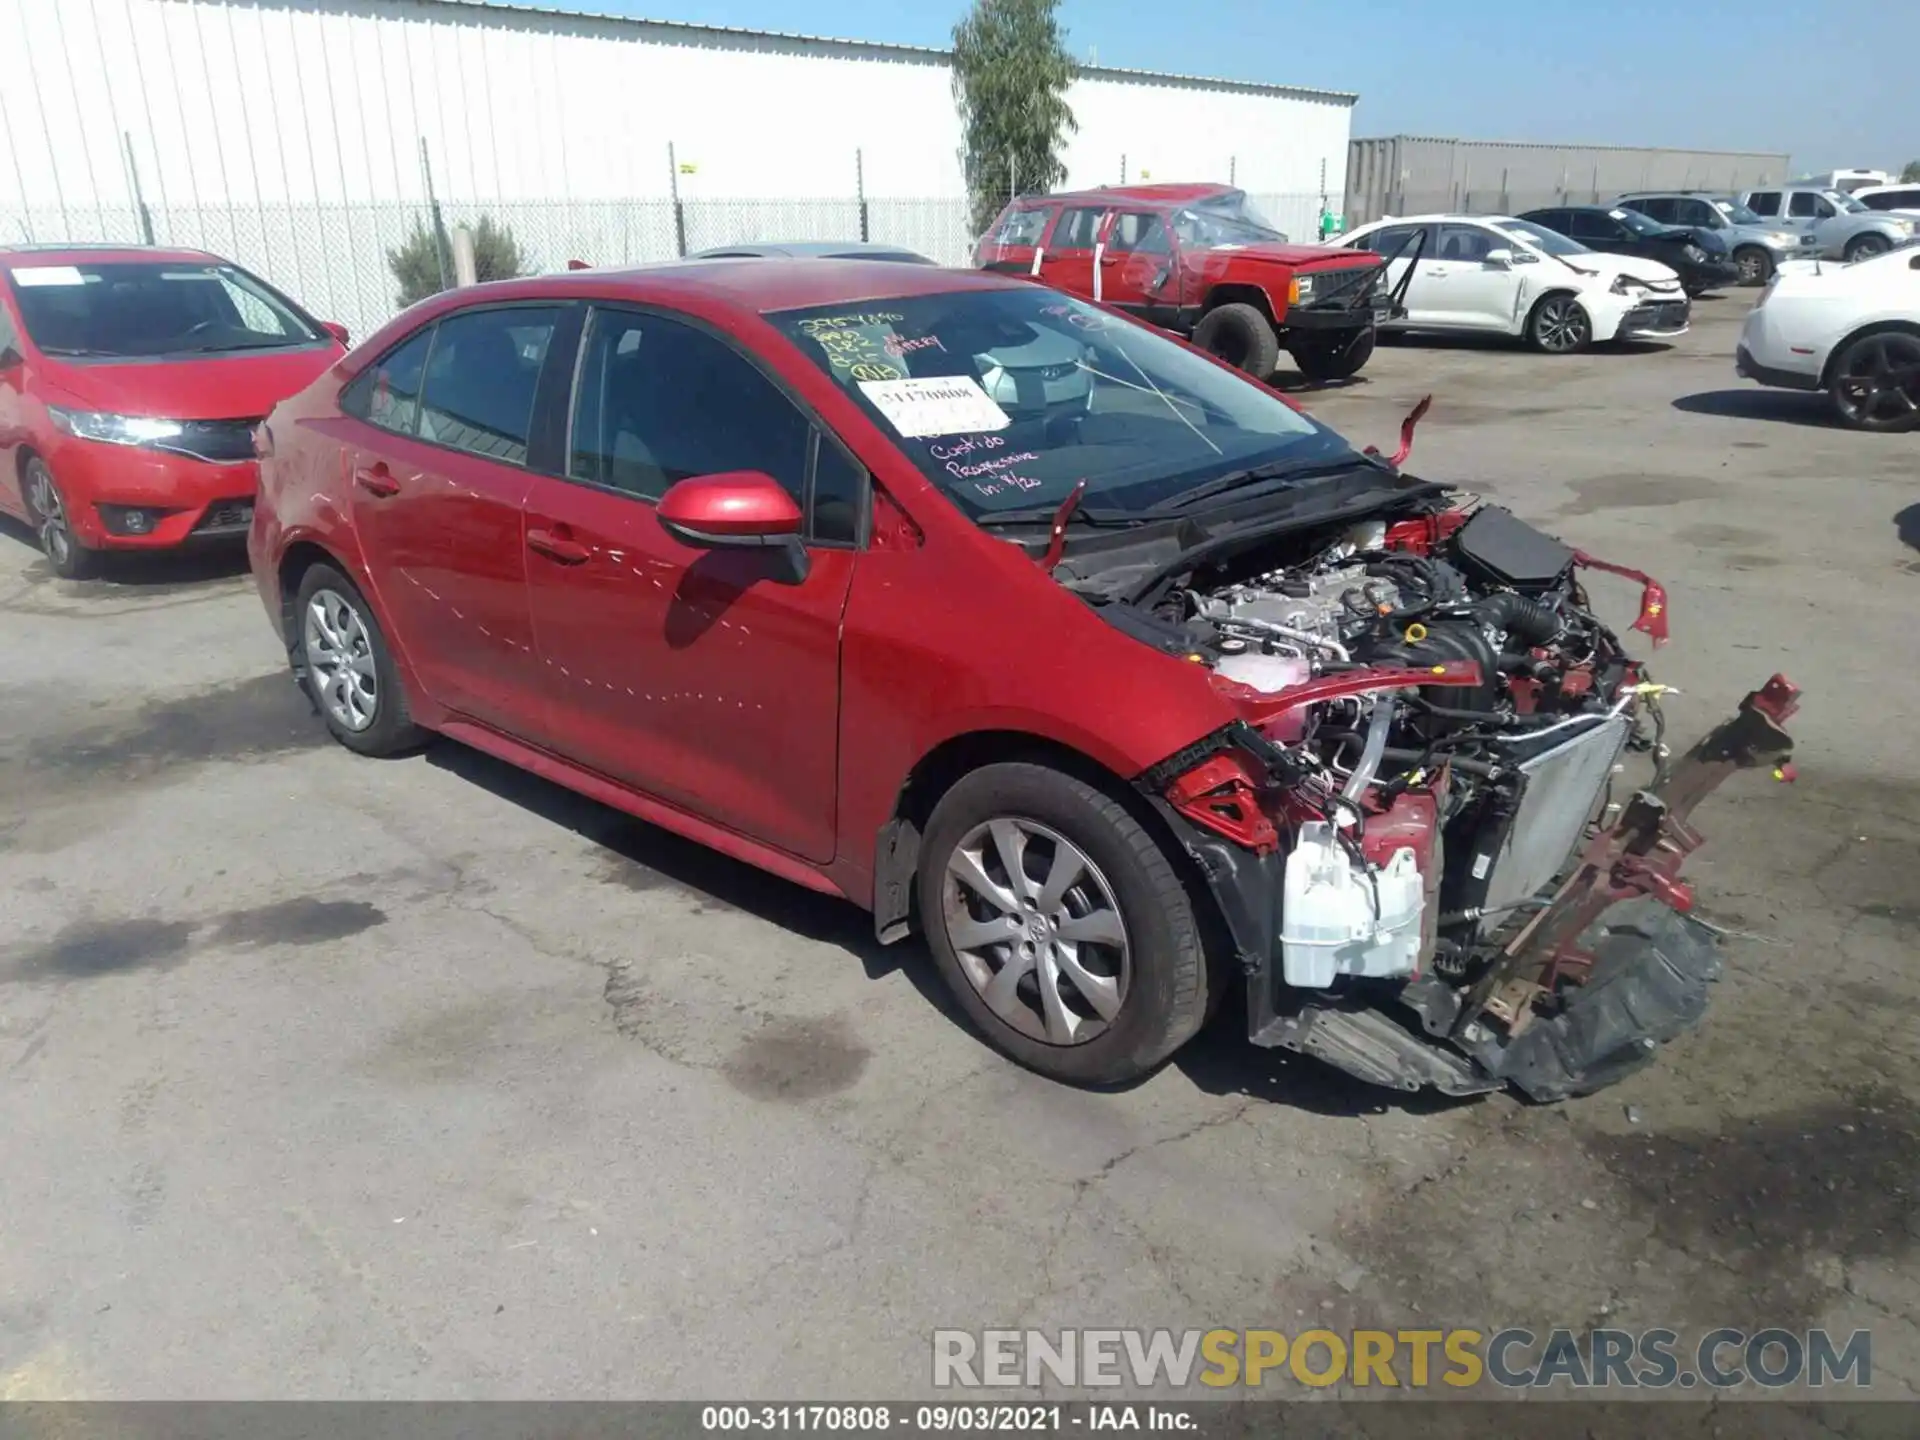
1532,622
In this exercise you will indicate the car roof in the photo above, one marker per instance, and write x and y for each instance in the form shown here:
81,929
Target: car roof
1168,194
1440,217
81,253
815,249
761,284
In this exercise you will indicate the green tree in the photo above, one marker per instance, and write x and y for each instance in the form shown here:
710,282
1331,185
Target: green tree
427,254
1911,175
1011,70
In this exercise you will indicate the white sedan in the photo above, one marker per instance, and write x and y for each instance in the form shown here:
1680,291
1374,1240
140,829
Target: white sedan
1497,275
1851,330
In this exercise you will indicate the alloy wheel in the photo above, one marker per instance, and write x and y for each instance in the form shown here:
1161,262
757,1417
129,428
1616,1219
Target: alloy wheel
1561,326
1753,267
1879,383
339,655
1037,930
56,537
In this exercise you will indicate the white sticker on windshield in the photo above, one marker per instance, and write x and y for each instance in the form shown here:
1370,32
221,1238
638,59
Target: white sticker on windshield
27,276
1618,214
935,405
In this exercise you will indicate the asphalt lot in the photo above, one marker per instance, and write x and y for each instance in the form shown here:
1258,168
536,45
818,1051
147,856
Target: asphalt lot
327,1077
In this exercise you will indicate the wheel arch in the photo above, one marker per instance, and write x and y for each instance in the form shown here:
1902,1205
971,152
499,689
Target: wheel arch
1241,292
897,851
1861,332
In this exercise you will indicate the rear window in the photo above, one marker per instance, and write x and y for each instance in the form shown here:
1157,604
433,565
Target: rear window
150,310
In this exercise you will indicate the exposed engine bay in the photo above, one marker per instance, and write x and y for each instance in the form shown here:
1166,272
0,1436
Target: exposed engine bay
1433,867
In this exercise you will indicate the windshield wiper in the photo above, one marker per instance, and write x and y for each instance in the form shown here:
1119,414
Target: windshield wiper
76,350
1254,475
1034,514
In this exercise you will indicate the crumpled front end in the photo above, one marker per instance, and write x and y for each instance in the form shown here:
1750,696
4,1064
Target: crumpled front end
1412,830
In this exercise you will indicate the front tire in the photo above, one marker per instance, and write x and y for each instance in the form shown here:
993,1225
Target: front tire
1754,263
1559,326
1241,336
348,668
47,513
1336,357
1865,247
1875,384
1061,926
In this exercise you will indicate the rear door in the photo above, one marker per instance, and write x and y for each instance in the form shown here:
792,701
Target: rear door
1423,298
1764,203
437,453
707,678
13,379
1069,262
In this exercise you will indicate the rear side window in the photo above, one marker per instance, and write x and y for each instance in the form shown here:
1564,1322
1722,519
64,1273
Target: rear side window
1764,202
1389,240
1078,228
1021,227
388,394
481,379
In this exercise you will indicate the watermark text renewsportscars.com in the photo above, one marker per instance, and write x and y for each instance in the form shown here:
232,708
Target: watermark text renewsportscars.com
1512,1358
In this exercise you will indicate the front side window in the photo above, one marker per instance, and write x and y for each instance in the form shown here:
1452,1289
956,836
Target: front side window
387,394
1388,240
1469,243
1550,242
149,310
1805,205
659,400
1006,399
1141,231
481,379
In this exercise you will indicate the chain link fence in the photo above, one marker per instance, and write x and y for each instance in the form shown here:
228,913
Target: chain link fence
334,257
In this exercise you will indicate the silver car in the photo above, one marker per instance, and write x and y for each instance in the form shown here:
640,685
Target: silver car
1758,245
1841,227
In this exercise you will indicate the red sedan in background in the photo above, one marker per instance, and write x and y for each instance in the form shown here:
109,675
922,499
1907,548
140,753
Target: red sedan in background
1123,692
131,380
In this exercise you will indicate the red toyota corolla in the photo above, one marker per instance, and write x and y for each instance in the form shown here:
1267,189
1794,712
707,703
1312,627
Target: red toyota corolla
1123,691
131,380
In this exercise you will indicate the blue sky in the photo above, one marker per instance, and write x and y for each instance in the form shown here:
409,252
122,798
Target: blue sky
1834,85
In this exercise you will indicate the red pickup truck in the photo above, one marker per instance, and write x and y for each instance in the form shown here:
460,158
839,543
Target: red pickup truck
1198,260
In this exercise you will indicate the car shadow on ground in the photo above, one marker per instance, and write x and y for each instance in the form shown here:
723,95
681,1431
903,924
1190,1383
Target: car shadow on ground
151,570
1513,345
1220,1061
1906,525
1786,407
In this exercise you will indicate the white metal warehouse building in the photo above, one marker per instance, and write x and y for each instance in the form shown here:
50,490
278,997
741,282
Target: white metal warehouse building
304,138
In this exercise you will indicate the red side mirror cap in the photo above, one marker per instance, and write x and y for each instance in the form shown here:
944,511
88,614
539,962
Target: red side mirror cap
740,507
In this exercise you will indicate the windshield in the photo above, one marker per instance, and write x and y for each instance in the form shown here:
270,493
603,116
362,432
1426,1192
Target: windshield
1551,241
1844,200
1736,212
144,310
1006,399
1224,220
1639,224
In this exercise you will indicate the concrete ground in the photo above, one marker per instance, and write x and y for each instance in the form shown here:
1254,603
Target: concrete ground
326,1077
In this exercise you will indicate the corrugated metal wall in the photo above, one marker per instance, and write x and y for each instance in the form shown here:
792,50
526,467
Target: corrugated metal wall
306,138
1413,174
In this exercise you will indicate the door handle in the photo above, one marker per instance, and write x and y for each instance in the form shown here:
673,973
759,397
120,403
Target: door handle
376,479
1109,259
556,544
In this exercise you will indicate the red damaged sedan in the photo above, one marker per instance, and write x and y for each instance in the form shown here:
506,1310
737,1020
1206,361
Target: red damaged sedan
131,380
1123,694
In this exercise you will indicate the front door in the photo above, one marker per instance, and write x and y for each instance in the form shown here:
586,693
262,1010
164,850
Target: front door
1139,268
436,442
1461,287
707,678
1068,261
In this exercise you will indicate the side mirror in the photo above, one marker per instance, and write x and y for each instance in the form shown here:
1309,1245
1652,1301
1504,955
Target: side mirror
1500,259
737,510
337,331
10,357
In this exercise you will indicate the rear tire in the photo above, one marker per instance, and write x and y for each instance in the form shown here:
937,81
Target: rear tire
1335,357
47,512
1102,971
1755,264
1875,382
1241,336
348,668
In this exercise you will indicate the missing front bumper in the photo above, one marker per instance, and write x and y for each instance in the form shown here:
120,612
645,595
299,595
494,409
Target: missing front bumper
1586,991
